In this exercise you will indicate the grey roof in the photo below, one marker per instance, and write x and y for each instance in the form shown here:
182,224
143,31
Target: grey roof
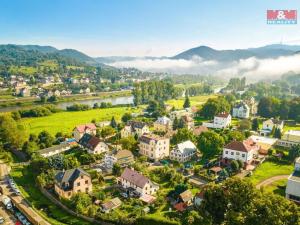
134,177
136,124
54,148
68,177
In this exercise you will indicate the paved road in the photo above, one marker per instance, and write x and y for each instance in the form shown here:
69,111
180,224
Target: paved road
271,180
9,218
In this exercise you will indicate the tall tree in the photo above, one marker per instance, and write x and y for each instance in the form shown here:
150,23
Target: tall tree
113,123
255,124
210,143
186,103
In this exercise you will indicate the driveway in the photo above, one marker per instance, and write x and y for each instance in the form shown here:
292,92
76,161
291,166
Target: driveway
271,180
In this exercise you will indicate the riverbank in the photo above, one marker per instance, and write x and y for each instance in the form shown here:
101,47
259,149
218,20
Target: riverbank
19,103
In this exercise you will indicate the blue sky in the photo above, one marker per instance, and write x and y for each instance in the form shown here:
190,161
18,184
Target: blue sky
143,27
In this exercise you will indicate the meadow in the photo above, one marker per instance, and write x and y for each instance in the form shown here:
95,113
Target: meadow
195,101
270,169
66,121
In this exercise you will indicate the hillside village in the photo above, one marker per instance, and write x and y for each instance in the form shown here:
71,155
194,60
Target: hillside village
145,165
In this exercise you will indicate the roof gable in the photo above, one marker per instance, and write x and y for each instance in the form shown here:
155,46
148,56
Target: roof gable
134,177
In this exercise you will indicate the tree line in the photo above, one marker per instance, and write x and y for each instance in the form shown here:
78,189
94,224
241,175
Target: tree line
161,90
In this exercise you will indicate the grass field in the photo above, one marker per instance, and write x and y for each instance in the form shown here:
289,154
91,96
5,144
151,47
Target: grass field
287,127
66,121
277,187
270,169
27,70
195,101
44,207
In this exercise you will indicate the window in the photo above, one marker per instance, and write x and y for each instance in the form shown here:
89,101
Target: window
231,153
226,152
237,153
78,183
86,190
86,182
243,155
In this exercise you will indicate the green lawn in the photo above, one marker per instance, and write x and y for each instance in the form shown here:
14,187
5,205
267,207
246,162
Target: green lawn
66,121
278,187
195,101
44,207
287,127
270,169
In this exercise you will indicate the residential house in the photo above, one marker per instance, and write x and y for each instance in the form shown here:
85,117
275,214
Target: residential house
221,121
141,184
188,121
186,197
292,191
80,130
56,93
240,150
56,149
252,104
122,157
184,201
133,128
289,138
265,143
198,198
269,125
179,113
199,130
25,92
93,144
163,124
154,146
110,205
183,152
241,110
70,182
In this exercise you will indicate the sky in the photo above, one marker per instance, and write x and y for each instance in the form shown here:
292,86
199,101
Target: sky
143,27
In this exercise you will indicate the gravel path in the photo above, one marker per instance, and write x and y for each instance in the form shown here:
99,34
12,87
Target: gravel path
271,180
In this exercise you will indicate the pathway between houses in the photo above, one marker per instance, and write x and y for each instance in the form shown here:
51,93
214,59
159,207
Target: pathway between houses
271,180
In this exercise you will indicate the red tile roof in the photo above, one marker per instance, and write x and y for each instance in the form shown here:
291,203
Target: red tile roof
84,127
198,130
180,206
242,146
223,115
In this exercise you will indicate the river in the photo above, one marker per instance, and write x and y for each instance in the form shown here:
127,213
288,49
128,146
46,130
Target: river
63,105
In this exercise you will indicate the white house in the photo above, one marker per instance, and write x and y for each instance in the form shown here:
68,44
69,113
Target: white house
80,130
133,128
93,144
180,113
269,125
221,121
240,150
137,181
122,157
163,124
154,146
241,110
183,152
292,191
289,138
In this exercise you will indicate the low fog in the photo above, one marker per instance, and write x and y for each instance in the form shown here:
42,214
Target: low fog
252,68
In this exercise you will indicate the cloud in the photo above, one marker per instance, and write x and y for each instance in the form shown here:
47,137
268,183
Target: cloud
253,68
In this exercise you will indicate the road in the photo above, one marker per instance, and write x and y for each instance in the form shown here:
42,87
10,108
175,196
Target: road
271,180
8,217
21,203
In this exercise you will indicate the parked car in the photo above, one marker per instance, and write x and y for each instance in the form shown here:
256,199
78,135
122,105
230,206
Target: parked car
2,220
